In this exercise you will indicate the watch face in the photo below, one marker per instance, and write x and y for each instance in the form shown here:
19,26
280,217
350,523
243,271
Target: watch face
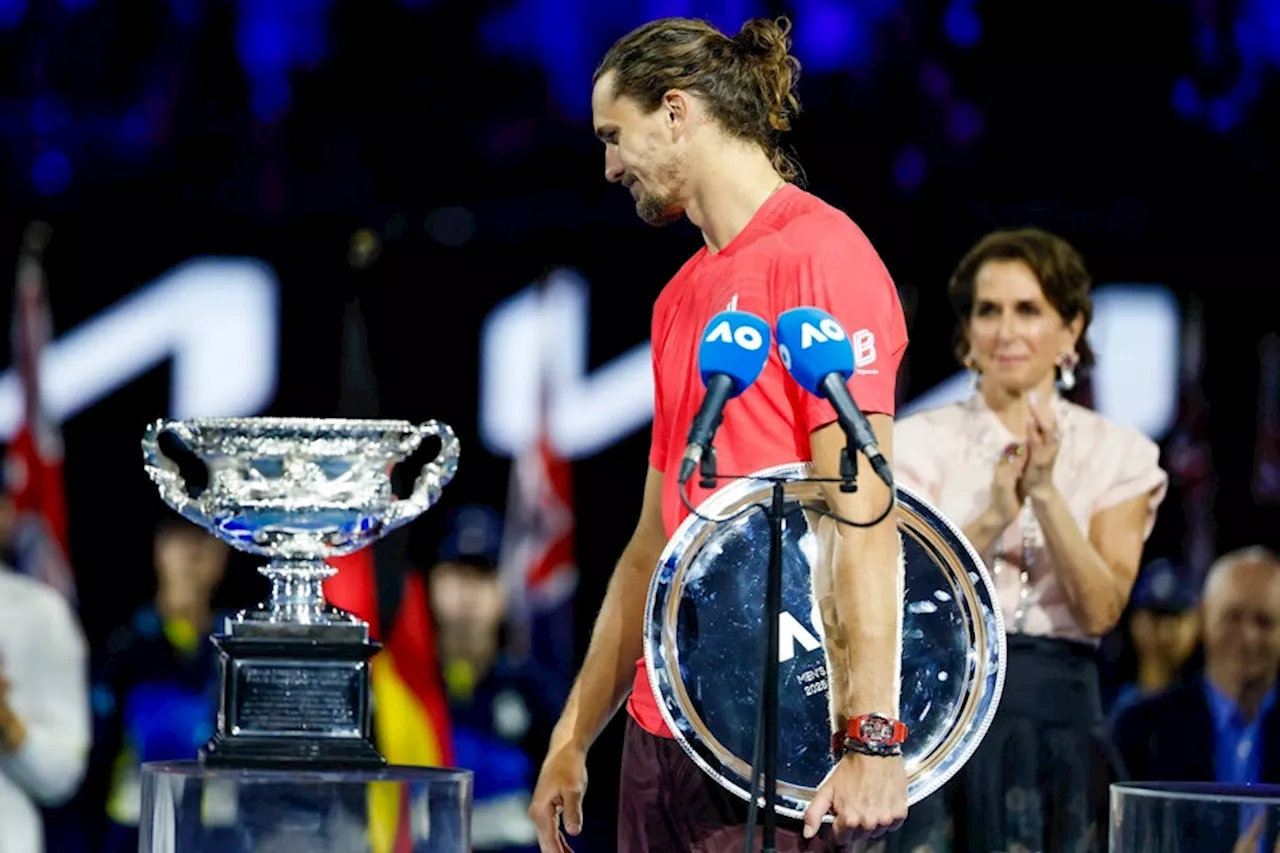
876,730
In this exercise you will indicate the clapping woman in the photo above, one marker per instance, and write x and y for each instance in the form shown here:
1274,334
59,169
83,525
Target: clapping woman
1058,501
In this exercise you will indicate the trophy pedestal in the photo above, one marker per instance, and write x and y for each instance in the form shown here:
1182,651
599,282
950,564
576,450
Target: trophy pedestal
294,697
190,808
1189,817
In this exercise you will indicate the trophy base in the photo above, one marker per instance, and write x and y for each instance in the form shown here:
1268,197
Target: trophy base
293,696
288,753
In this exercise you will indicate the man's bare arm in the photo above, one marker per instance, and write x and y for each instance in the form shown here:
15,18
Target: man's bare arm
861,599
617,639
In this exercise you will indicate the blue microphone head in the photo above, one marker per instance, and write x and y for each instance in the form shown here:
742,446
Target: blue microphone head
813,346
735,344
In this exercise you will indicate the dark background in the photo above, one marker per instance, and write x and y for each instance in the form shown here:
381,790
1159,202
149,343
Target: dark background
148,133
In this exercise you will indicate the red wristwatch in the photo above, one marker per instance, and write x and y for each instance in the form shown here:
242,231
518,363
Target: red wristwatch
870,734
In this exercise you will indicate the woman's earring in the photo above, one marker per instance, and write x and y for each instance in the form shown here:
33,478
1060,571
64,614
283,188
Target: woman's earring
1067,362
975,375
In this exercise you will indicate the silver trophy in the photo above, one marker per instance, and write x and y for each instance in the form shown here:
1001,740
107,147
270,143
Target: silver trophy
295,669
705,619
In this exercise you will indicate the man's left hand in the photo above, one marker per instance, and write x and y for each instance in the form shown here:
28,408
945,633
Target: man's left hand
867,794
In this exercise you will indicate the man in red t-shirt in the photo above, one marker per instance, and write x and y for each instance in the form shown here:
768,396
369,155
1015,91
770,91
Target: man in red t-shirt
689,118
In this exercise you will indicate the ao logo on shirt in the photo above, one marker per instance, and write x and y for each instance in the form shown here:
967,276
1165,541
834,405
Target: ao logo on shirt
862,341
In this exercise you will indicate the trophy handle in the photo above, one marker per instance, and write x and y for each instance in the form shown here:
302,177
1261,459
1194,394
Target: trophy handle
163,471
435,475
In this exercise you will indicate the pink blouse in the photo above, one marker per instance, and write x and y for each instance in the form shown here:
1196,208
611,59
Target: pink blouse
947,456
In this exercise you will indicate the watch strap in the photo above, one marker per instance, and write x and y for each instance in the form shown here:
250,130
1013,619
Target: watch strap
888,740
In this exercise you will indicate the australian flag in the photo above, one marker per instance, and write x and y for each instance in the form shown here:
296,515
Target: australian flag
1189,459
1266,470
33,463
537,559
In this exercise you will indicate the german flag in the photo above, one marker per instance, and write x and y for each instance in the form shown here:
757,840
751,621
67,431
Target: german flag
411,714
411,719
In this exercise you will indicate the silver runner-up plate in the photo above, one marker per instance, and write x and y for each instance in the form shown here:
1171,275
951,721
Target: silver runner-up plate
705,627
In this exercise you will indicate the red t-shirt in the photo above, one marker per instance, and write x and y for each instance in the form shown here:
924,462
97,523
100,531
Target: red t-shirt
796,251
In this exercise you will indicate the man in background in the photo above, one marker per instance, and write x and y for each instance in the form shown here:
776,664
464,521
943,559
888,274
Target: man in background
1164,629
1224,726
501,710
155,691
44,706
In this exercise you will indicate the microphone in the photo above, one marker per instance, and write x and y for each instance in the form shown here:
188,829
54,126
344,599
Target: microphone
816,352
734,348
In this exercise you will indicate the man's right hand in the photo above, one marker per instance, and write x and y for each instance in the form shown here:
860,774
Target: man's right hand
561,785
608,671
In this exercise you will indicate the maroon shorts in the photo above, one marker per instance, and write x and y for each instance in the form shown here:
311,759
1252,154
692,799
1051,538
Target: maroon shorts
666,803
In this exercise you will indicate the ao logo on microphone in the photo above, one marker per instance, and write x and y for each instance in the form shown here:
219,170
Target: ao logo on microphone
826,330
744,336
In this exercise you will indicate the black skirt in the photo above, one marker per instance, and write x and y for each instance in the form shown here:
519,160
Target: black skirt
1040,779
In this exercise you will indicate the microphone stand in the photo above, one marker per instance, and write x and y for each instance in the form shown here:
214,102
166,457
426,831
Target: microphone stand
767,723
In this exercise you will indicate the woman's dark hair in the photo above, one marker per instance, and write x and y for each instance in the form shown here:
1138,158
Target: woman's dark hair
748,81
1056,265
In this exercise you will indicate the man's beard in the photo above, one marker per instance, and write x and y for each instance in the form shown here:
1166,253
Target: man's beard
663,210
657,211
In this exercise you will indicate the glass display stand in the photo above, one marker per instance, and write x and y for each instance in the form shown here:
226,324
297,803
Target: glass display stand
1189,817
189,808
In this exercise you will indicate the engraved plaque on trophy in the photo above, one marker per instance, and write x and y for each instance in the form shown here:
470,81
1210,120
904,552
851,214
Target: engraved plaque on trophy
295,678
